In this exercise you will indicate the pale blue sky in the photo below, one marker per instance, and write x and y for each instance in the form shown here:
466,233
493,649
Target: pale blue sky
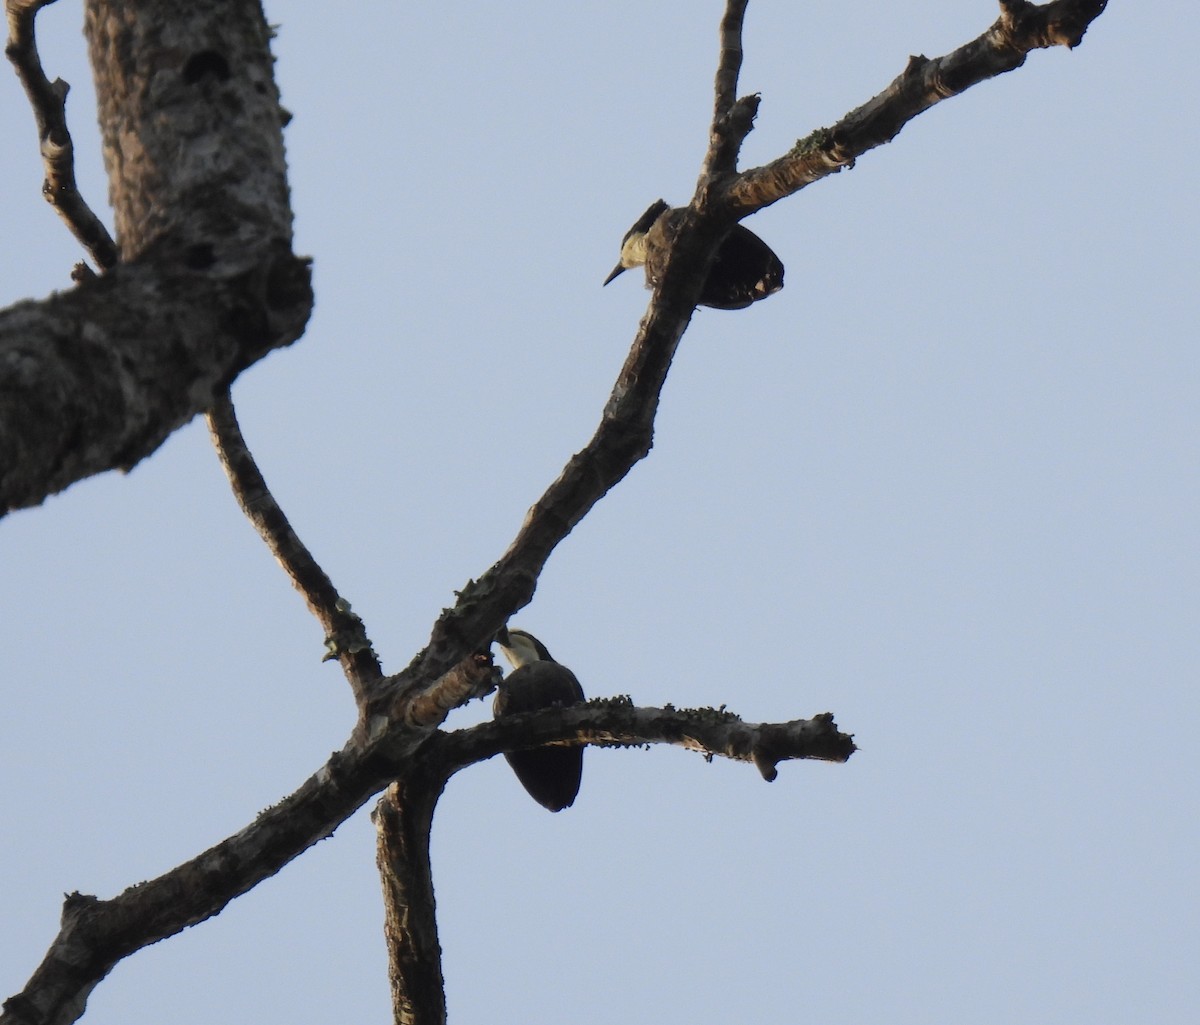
944,485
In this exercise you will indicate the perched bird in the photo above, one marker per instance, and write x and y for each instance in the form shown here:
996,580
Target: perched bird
550,774
743,271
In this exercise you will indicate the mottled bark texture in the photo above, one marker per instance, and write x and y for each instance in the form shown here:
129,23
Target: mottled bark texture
191,128
403,821
98,377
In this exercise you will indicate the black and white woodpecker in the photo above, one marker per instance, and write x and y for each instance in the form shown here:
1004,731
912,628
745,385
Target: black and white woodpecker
743,271
550,774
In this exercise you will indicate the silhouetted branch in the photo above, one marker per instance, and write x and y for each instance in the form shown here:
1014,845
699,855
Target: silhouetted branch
97,377
96,934
626,429
617,722
381,705
1021,28
732,119
345,635
49,102
729,62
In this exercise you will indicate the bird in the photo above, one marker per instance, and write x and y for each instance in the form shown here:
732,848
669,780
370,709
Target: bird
744,270
549,774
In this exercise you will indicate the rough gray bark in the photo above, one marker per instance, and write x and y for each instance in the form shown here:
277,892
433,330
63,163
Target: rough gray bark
96,378
403,820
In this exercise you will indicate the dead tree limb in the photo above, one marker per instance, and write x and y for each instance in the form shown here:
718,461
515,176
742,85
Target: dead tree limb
96,934
345,635
216,228
49,102
1021,28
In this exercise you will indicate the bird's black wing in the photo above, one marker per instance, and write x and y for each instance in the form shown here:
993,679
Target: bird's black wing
745,270
537,685
550,775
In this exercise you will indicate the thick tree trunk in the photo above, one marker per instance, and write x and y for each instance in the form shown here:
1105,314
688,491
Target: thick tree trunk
98,377
191,128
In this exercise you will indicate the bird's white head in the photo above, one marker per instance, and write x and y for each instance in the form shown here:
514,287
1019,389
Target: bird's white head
521,647
633,245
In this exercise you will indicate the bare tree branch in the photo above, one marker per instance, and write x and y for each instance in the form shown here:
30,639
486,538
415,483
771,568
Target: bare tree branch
98,377
96,934
1021,27
401,741
49,102
345,635
708,731
732,119
625,433
404,815
729,63
474,677
623,437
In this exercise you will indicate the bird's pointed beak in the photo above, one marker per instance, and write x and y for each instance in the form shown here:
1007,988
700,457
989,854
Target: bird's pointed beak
618,269
501,637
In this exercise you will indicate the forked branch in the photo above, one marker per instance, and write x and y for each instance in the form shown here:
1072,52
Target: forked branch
96,934
404,742
625,433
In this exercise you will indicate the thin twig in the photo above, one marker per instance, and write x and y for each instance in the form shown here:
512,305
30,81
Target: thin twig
729,64
1021,28
346,637
49,102
732,119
